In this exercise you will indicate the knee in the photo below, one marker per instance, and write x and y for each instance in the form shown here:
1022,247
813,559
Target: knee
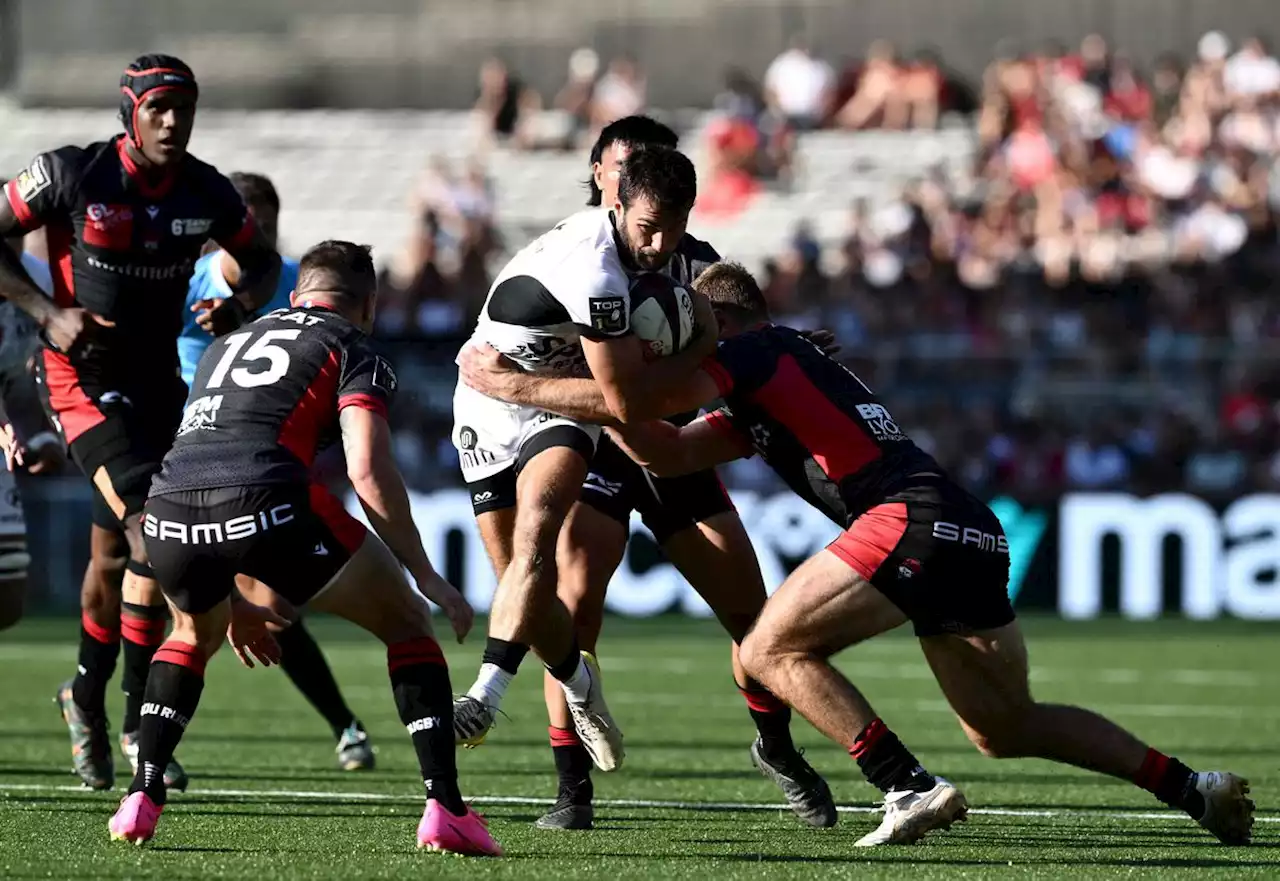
758,653
1002,739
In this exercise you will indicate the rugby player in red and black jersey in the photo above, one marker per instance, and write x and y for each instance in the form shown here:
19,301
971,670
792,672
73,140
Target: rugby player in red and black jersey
915,547
235,496
125,221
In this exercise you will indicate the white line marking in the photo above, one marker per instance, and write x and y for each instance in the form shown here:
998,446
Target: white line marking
316,795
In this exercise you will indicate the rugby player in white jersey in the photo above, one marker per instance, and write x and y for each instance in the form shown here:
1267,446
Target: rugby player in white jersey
562,305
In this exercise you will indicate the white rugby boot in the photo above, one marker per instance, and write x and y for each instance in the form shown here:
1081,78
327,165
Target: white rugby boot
909,815
1228,810
596,728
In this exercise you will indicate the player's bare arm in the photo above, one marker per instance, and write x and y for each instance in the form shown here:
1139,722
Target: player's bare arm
636,389
486,370
668,451
366,441
65,328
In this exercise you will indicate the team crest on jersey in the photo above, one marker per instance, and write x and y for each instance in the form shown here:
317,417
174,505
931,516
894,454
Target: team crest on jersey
108,226
33,179
608,314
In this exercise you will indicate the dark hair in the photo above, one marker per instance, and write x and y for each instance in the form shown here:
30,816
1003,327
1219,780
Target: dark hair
663,175
731,288
343,271
637,131
256,190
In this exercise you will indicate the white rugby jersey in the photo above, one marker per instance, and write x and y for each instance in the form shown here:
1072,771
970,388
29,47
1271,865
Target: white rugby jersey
566,283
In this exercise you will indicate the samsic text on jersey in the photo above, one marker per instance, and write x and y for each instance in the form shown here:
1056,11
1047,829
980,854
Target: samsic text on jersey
812,420
122,247
267,397
568,283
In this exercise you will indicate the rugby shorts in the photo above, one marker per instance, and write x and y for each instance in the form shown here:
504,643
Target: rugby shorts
123,431
14,558
616,486
938,553
294,539
495,440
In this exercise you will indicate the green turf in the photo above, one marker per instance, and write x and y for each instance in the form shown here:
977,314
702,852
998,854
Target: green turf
1205,692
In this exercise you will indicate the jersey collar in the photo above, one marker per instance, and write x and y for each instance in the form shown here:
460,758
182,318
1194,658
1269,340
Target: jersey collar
156,189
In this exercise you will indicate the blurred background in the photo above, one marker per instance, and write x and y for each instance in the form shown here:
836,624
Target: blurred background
1045,233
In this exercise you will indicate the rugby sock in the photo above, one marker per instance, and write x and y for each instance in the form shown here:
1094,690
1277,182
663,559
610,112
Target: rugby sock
420,683
1170,781
99,648
886,763
772,718
573,767
498,666
574,675
143,630
172,692
307,669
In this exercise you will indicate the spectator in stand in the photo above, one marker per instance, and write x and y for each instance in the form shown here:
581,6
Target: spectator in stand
1251,74
620,92
798,86
575,98
505,108
882,99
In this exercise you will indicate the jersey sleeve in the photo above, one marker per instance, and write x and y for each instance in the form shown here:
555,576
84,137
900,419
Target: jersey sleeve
42,192
233,225
600,307
368,381
722,420
740,365
700,256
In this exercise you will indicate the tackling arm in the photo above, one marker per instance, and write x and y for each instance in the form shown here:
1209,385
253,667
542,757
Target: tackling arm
366,441
492,374
668,451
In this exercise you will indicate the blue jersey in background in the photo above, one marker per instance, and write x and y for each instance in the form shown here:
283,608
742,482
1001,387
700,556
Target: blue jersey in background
207,283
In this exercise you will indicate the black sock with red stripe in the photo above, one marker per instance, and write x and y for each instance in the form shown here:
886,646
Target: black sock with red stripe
171,695
95,664
1170,781
143,630
886,763
772,718
573,767
420,683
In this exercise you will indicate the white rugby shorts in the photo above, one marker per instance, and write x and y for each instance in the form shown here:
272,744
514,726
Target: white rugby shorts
492,436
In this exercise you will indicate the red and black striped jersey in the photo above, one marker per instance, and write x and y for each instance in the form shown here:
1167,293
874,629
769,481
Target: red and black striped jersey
812,420
123,245
266,398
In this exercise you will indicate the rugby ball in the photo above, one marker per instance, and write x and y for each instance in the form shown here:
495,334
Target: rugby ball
661,313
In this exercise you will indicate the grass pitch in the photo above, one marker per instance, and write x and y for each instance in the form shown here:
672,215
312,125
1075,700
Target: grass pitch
266,801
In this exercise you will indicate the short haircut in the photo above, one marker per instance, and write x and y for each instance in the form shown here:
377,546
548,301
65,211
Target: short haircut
730,287
635,131
256,190
342,271
664,176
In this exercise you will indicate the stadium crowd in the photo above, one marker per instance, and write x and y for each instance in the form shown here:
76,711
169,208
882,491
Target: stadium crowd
1086,309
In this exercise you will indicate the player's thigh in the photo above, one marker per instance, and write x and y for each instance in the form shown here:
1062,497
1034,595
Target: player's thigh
493,501
715,555
824,606
592,545
258,593
372,592
550,470
984,677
